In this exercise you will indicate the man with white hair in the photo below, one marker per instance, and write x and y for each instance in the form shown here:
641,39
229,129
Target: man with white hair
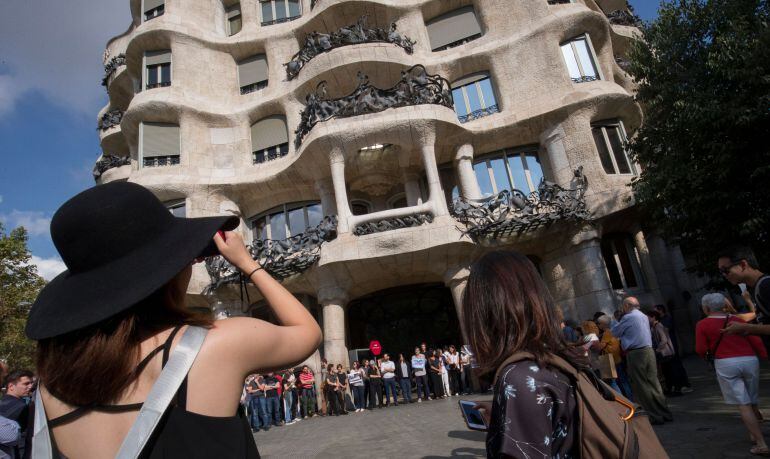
633,331
735,362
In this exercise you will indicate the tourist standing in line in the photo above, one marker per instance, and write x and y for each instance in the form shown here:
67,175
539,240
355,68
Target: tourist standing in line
633,330
272,399
664,353
14,407
428,353
356,382
403,373
342,388
388,369
420,375
288,396
367,383
445,372
307,398
453,364
735,362
254,391
323,408
330,389
435,375
375,385
611,345
465,360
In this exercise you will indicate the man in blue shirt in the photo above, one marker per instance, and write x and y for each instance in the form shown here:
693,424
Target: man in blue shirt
633,330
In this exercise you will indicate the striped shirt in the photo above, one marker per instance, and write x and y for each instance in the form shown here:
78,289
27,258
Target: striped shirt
306,380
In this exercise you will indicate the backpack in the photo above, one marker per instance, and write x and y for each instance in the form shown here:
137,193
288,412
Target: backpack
609,426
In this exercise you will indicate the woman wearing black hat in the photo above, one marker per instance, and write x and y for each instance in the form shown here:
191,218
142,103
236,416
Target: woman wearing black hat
106,327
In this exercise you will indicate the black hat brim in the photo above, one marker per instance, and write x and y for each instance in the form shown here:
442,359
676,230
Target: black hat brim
72,301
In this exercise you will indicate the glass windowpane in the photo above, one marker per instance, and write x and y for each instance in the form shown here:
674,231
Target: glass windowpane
535,169
625,262
297,222
482,176
569,59
585,58
604,154
165,73
293,8
487,92
235,25
314,215
474,102
457,95
278,226
152,75
280,8
260,229
500,174
517,172
617,150
267,11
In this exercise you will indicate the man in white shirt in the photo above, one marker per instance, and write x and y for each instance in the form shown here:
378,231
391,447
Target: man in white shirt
388,370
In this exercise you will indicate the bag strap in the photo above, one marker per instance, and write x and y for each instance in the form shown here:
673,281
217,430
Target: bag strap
719,340
41,437
759,303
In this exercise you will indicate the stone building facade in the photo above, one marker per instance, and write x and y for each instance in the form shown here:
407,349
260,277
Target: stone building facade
373,150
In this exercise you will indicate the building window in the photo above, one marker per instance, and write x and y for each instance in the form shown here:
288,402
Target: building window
159,144
287,220
610,141
277,11
269,139
360,207
177,208
398,201
512,169
157,65
621,260
153,8
453,29
474,97
252,73
234,19
580,60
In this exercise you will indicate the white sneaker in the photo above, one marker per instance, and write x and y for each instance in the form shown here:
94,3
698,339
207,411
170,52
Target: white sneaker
419,400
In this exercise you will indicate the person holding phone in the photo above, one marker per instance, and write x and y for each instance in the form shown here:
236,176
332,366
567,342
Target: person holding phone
507,309
118,313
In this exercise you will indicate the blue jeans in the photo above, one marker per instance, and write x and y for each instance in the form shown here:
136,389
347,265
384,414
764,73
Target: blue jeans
263,412
255,412
422,387
358,397
406,389
288,401
390,388
622,381
273,410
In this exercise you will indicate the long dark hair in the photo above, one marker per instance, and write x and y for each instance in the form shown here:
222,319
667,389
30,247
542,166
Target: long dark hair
95,365
507,308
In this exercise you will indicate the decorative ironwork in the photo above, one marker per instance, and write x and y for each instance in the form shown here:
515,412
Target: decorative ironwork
161,84
585,79
270,154
110,119
415,87
623,18
457,43
317,43
281,259
159,161
559,2
512,213
313,3
389,224
108,162
480,113
254,87
280,20
623,63
111,66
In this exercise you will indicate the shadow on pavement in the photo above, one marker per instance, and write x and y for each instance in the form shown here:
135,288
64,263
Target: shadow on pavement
472,435
462,452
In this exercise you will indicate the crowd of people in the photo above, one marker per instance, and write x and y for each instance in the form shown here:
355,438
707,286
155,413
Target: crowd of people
286,397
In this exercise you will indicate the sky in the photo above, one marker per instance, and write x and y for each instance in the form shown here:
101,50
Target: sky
50,94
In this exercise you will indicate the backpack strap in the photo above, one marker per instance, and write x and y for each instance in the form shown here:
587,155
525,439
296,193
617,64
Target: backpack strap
41,437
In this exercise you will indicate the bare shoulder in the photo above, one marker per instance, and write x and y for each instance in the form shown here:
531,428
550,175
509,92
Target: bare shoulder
237,332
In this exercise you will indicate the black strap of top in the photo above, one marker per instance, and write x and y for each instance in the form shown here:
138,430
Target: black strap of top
82,410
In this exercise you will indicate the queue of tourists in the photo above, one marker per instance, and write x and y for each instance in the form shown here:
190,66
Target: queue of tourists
286,397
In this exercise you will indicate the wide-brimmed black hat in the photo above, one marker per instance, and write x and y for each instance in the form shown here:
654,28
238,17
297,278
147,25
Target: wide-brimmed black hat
120,244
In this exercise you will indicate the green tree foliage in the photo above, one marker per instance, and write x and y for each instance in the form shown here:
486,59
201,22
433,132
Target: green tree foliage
19,286
703,71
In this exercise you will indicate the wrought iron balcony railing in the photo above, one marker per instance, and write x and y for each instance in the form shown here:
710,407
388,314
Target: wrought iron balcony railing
278,151
585,79
415,87
457,43
108,162
161,84
623,63
280,20
281,259
389,224
559,2
254,87
624,18
317,43
510,213
110,119
111,66
480,113
159,161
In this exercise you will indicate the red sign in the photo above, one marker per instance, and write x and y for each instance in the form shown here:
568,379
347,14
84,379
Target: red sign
375,347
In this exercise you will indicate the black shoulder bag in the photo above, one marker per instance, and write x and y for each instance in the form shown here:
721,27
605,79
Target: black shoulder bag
711,354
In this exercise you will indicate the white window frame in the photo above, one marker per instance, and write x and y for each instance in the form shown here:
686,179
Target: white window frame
284,209
274,10
144,13
504,154
618,124
146,72
227,19
581,65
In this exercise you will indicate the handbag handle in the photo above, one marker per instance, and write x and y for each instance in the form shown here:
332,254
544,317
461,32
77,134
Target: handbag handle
719,340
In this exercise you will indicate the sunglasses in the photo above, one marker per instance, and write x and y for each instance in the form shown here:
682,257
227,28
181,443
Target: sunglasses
725,270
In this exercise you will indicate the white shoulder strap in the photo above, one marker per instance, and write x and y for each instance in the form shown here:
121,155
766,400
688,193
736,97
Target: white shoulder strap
160,396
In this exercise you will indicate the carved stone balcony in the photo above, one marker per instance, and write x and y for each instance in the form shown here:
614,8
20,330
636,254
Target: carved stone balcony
623,18
511,213
110,119
316,43
108,162
281,259
111,66
415,87
389,224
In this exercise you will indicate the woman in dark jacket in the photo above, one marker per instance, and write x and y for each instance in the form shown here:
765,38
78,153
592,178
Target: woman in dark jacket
403,376
375,386
434,370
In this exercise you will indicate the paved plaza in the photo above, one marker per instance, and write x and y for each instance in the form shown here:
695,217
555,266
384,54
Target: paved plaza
704,427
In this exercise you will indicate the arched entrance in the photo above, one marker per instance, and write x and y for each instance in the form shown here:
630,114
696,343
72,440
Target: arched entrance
403,317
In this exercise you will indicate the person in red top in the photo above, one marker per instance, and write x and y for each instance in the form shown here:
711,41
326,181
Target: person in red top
306,380
735,362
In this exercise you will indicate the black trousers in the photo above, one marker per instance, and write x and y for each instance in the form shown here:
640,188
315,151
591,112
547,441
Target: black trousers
375,393
454,381
437,384
332,402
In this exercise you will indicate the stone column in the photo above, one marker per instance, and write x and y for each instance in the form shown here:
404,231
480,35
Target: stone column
325,190
456,278
640,243
592,288
552,139
412,188
333,303
337,163
437,197
469,186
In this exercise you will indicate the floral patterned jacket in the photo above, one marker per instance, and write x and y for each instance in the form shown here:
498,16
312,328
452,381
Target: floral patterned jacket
534,414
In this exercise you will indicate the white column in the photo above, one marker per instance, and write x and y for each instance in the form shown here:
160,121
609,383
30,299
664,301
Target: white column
412,188
456,278
558,161
646,264
325,190
337,162
469,186
334,301
437,198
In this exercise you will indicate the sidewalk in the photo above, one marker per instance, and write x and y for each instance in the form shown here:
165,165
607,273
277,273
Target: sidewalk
704,427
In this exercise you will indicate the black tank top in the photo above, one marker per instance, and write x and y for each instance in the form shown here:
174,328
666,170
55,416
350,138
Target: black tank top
180,433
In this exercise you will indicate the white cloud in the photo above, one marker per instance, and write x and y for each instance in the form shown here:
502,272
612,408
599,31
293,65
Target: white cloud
56,48
48,268
35,222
